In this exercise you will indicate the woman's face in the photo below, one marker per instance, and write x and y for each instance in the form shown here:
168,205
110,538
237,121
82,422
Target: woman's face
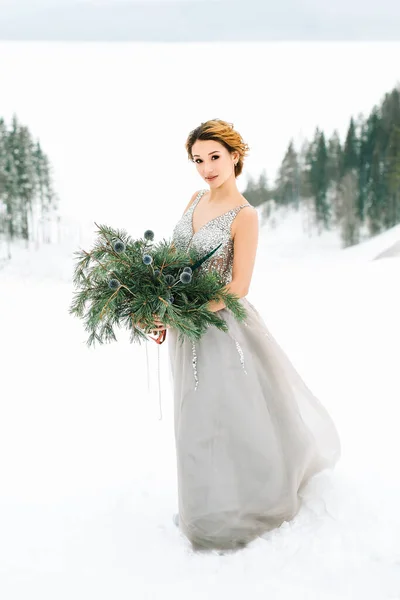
213,162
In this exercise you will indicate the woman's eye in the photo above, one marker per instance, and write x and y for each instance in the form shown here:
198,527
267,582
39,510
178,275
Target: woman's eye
198,159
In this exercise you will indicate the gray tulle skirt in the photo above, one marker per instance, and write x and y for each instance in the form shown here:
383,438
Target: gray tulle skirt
249,433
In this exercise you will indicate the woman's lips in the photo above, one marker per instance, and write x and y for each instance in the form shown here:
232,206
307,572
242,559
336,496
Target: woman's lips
211,178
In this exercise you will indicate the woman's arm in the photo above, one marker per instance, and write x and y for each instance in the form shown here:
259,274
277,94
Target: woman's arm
245,243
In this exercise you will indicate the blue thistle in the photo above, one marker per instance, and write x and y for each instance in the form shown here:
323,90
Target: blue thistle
188,270
147,259
148,235
119,247
185,277
169,279
156,272
113,284
171,299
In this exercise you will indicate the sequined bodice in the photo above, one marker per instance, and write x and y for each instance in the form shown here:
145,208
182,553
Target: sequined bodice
209,236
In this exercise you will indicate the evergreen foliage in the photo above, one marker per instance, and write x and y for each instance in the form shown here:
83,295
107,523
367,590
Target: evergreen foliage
288,181
126,282
26,190
354,186
257,192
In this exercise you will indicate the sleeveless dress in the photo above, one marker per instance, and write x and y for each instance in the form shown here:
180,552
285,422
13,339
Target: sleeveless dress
249,433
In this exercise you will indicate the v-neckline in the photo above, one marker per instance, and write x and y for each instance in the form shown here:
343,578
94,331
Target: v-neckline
210,221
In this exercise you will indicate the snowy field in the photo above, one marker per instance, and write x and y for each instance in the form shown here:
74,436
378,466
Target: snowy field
87,468
88,483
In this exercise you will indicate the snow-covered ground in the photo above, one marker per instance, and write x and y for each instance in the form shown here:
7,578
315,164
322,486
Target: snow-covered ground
87,474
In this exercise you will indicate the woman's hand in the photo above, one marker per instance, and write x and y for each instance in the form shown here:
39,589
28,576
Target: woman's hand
159,326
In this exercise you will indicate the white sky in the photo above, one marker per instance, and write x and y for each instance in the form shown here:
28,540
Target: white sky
22,4
350,6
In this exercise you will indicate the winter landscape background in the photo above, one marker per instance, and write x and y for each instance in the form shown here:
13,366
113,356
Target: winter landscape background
87,474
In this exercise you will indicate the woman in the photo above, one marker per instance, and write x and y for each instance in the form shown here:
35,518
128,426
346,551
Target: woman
249,433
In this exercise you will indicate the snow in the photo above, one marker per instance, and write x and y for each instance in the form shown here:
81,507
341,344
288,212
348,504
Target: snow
88,483
87,475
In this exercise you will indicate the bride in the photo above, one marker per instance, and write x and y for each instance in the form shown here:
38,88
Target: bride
249,433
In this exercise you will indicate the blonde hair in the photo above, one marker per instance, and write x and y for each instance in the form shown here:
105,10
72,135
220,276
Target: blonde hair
222,132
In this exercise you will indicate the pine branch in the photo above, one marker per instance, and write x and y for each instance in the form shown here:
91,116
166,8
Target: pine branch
123,282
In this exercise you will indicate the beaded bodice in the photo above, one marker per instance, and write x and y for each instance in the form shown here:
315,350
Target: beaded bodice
209,236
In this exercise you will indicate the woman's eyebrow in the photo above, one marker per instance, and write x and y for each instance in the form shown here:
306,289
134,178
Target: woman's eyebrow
213,152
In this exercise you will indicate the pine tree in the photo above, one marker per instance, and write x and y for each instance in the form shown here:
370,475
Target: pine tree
3,160
10,194
324,175
264,193
376,193
393,178
26,182
27,198
390,111
287,186
16,170
304,161
350,152
48,202
3,189
250,193
350,226
371,161
351,207
390,119
317,170
320,176
334,170
366,146
257,192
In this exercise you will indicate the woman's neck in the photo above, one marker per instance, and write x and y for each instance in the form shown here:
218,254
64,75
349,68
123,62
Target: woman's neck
221,195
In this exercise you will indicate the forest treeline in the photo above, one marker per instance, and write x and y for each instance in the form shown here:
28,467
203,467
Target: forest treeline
353,186
27,198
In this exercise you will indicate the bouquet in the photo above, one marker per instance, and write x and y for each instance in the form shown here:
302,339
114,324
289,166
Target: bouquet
126,283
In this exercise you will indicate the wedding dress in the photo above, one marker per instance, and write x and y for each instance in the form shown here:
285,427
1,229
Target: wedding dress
249,433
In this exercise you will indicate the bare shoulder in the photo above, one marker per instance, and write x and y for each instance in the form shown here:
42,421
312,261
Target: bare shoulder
191,201
247,218
244,200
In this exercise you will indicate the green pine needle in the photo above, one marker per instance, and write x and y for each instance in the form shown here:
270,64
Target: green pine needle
138,293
